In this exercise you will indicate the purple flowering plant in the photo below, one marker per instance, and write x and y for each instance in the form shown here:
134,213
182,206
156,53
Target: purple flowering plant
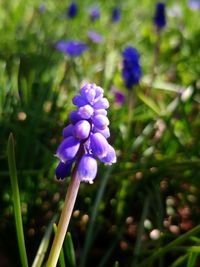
85,141
71,48
116,14
94,13
72,10
85,138
95,37
131,71
160,17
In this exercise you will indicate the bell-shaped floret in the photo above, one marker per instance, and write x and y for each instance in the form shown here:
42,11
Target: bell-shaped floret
68,131
82,129
100,112
68,148
63,170
105,132
100,121
88,92
102,103
85,112
99,145
110,158
87,168
79,101
74,116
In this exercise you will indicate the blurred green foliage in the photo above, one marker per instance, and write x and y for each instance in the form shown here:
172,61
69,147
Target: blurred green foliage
151,196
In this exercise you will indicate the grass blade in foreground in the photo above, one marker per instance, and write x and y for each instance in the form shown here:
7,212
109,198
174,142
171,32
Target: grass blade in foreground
16,201
44,244
170,246
69,248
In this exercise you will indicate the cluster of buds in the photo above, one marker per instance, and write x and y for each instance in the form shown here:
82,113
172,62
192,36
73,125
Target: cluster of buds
85,138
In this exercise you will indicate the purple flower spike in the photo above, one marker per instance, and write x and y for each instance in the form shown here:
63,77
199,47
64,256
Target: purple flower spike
67,149
194,4
72,10
131,71
94,13
95,37
87,168
82,129
71,48
63,170
85,138
116,15
159,17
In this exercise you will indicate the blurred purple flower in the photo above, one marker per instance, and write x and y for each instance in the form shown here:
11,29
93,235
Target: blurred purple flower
71,48
131,71
94,13
85,139
95,37
72,10
42,8
118,95
194,4
160,17
116,14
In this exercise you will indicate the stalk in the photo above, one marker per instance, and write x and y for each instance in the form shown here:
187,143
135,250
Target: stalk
64,220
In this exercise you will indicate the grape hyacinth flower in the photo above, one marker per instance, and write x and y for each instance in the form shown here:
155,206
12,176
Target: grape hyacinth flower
116,14
72,10
194,4
159,17
131,71
71,48
85,138
95,37
85,141
94,13
119,96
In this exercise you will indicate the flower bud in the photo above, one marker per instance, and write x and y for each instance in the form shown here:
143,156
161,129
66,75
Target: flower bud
82,129
99,145
68,148
87,168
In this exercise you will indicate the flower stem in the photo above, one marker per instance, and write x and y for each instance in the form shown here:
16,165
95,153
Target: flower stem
16,201
64,220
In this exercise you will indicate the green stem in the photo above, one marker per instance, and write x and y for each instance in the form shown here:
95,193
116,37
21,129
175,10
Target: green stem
156,57
61,259
168,247
16,201
64,220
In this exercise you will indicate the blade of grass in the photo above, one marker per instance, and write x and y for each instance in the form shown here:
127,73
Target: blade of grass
44,244
69,249
169,246
140,232
16,201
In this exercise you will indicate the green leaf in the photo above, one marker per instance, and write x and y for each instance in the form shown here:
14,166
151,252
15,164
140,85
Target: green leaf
16,201
69,249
